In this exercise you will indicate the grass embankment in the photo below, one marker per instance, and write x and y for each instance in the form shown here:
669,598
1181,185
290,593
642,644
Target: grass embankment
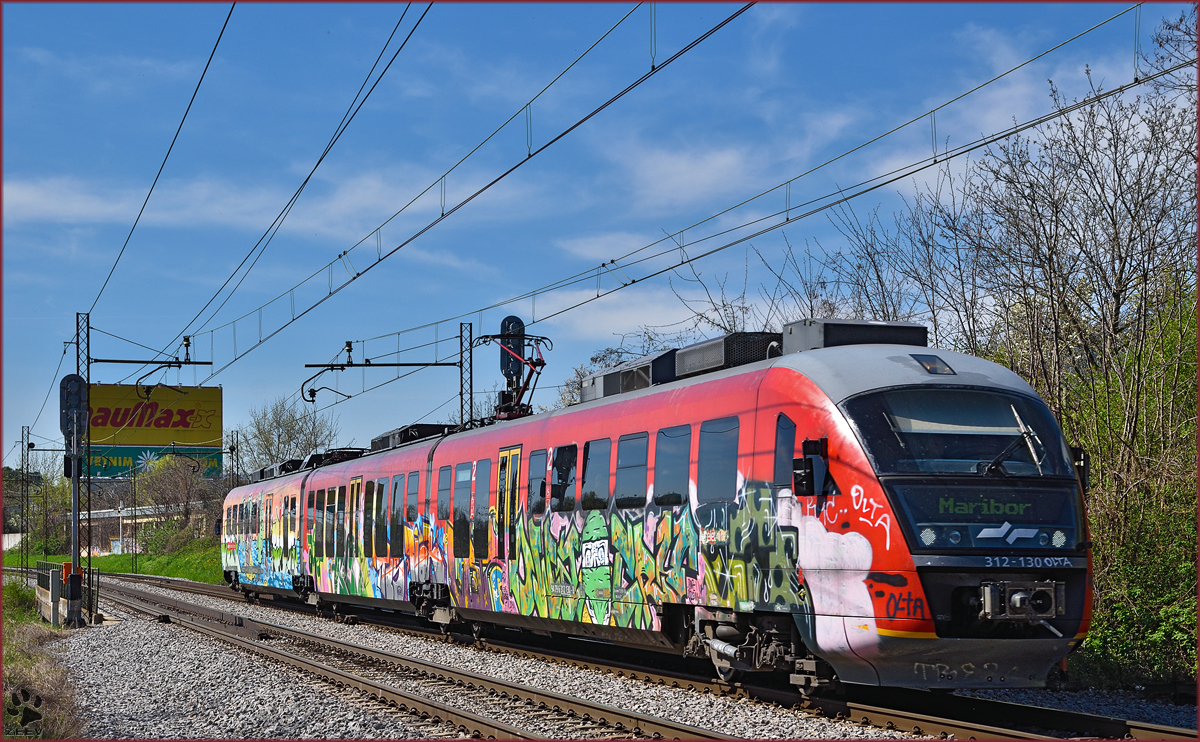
198,560
38,699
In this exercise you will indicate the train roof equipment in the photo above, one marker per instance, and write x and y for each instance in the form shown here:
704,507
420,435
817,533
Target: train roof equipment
740,348
639,373
811,334
408,434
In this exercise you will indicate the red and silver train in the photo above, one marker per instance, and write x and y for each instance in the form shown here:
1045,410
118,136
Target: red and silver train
838,503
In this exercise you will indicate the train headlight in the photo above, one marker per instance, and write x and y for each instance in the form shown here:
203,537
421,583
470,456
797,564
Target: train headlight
1059,540
928,536
1044,538
955,537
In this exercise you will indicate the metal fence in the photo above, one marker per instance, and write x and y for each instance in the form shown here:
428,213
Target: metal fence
91,585
43,573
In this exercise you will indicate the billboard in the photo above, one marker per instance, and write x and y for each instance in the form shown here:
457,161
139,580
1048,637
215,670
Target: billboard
129,432
183,416
126,461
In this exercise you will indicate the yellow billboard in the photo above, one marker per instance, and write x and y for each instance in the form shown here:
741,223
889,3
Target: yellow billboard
189,415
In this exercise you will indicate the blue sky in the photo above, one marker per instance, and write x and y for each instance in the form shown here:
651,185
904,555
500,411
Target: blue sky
93,94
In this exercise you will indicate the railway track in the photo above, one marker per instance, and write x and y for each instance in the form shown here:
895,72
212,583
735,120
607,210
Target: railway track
920,712
374,672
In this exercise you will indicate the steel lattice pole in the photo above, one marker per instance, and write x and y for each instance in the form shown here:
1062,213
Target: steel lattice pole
24,496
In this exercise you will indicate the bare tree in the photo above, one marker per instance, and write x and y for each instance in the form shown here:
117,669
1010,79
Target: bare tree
279,431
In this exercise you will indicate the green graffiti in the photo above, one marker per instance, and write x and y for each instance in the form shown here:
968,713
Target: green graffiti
595,567
762,556
527,578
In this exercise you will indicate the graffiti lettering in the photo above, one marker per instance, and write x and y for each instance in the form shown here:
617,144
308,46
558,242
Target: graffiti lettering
905,605
595,554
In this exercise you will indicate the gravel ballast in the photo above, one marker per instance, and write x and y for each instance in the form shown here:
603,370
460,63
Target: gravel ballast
139,679
234,683
734,717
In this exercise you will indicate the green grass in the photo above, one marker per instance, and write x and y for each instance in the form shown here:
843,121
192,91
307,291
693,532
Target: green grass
199,560
32,674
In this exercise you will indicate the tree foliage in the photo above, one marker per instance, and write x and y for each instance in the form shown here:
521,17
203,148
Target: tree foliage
280,430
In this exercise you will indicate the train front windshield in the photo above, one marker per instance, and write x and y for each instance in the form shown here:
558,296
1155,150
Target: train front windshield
971,467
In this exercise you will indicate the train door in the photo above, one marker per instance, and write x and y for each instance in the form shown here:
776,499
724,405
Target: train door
265,522
508,476
352,566
716,492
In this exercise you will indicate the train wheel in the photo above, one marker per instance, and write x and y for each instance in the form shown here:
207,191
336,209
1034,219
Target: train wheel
727,674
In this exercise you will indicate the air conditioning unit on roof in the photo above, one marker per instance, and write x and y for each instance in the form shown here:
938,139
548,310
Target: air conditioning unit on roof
656,368
811,334
735,349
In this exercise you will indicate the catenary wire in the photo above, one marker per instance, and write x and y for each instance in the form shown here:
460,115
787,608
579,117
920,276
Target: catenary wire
269,234
441,178
589,273
127,340
426,190
164,162
274,228
334,291
53,381
865,187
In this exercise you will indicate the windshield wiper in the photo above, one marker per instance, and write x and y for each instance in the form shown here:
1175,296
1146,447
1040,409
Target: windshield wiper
1027,437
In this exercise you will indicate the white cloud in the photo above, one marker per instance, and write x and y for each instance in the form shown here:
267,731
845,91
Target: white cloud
108,75
604,247
604,320
672,178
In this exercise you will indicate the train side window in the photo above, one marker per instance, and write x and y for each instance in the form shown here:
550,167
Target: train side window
481,528
537,483
562,487
255,519
629,490
381,514
672,464
414,491
318,526
785,450
310,512
368,530
292,516
595,476
395,529
445,481
336,513
462,511
716,467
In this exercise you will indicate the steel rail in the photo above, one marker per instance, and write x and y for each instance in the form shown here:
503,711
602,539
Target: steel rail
901,709
638,724
378,691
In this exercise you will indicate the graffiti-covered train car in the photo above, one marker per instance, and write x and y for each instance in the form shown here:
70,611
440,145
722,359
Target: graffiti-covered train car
862,513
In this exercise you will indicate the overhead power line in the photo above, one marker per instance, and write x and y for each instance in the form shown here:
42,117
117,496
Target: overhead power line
860,189
348,117
296,315
589,274
268,235
164,162
53,383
